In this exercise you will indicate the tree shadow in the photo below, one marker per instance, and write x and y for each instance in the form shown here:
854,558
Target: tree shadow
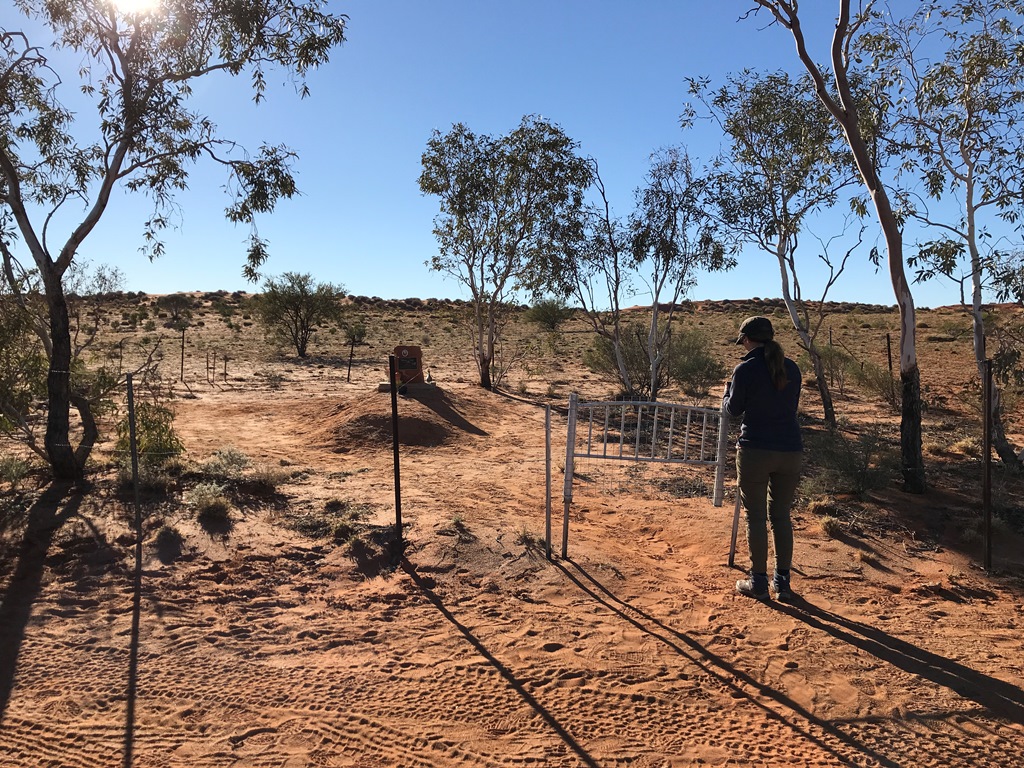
437,400
44,518
426,587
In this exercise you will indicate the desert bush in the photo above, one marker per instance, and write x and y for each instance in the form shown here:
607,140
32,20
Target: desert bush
877,381
600,358
168,538
155,438
265,478
844,464
154,480
339,520
292,306
211,504
692,365
549,313
835,363
226,464
13,469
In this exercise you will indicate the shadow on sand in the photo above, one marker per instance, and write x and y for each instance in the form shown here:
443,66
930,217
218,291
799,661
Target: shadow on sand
45,517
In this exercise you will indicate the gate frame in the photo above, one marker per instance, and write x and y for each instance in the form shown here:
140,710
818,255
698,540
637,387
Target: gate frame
571,454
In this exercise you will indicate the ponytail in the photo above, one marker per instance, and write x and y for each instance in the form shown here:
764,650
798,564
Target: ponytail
776,360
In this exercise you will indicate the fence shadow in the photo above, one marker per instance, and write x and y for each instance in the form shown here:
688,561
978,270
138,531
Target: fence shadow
720,669
45,517
583,756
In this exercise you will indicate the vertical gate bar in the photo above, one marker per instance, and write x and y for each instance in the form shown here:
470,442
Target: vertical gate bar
723,442
570,451
686,442
671,433
636,442
703,436
622,430
654,432
607,410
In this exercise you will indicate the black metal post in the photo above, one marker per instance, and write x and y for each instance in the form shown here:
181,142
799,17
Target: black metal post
986,451
394,441
182,376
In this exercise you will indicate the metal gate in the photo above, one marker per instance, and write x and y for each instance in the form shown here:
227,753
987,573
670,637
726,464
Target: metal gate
622,430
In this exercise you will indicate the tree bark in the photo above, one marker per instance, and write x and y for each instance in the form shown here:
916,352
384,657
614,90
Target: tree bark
58,386
910,431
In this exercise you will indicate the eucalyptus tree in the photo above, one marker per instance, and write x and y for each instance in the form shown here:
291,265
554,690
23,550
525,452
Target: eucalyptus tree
960,108
672,239
140,131
293,305
507,202
784,162
598,275
855,115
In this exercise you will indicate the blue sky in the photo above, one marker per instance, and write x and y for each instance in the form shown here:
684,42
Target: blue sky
611,74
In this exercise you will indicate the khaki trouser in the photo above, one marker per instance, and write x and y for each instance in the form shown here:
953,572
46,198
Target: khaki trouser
768,481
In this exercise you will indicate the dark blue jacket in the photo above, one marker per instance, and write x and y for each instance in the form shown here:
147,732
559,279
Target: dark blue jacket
769,414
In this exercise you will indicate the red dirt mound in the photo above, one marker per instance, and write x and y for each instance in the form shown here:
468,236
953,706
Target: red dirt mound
425,418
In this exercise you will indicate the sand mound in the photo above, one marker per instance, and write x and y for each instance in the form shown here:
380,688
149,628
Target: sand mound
425,419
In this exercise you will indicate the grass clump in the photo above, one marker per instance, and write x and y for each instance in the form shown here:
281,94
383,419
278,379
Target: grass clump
227,464
265,478
339,520
13,469
212,505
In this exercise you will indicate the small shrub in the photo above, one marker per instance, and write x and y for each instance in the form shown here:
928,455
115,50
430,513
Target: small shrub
212,506
153,480
830,526
845,464
340,521
266,478
549,313
227,463
13,469
877,381
692,365
155,438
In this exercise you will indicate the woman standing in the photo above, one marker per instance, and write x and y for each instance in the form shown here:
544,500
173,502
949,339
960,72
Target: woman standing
765,391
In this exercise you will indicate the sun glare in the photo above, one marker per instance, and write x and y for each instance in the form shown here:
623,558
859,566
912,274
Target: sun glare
136,6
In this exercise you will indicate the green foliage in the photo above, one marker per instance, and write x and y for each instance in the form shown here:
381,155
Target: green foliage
687,360
13,469
355,332
155,438
507,203
292,306
23,366
877,381
179,309
600,358
549,313
691,364
227,464
211,504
